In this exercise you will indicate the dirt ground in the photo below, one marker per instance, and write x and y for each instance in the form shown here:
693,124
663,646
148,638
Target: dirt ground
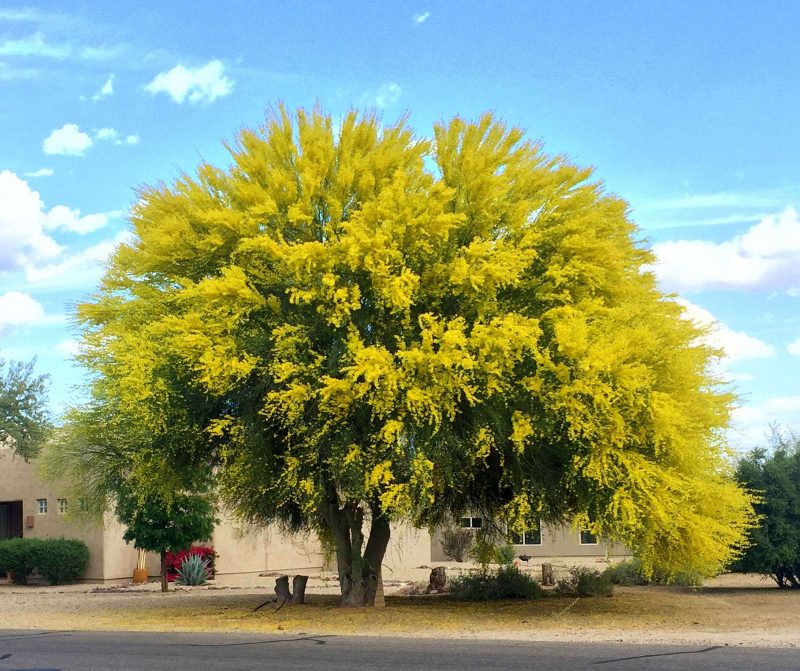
729,610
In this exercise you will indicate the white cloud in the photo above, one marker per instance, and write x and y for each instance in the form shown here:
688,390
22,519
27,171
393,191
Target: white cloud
83,268
34,45
70,347
199,85
106,90
17,309
64,218
25,224
42,172
737,345
388,94
22,236
794,347
25,14
751,423
107,134
421,18
765,258
68,140
132,139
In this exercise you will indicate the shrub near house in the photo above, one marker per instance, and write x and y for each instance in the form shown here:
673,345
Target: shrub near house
59,560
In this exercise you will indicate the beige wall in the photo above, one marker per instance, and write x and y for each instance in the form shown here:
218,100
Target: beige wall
19,482
557,541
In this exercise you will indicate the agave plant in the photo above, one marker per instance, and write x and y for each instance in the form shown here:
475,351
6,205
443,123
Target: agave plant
193,571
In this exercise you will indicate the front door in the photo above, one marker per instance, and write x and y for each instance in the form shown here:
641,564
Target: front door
10,519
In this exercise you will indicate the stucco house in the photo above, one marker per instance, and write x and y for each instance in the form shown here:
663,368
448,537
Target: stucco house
31,507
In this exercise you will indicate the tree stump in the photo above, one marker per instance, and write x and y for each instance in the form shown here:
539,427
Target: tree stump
547,575
299,588
438,581
282,589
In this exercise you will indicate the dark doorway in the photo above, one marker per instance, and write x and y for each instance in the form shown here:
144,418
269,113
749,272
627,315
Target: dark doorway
10,519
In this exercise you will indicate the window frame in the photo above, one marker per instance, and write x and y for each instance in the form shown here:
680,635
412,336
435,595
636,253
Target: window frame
586,531
472,524
63,506
41,506
524,537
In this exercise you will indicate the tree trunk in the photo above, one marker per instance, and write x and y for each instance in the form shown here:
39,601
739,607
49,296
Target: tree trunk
164,583
358,570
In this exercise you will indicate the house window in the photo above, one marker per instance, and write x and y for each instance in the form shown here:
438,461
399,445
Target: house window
531,536
588,538
471,522
41,506
62,506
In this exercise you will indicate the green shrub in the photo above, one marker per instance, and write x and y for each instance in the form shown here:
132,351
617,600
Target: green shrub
18,556
627,573
61,560
507,582
504,554
630,573
584,581
193,571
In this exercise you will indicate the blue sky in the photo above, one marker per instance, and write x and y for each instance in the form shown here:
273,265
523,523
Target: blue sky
688,110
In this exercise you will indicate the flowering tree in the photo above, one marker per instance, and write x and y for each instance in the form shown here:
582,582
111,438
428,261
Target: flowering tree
352,325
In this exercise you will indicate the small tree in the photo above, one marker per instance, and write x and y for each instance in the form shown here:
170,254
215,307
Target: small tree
158,525
24,419
775,478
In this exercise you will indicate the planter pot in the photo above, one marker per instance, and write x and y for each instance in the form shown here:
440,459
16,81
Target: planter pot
139,576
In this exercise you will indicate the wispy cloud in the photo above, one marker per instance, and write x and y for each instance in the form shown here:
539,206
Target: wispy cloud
106,89
751,423
34,45
21,14
794,347
41,172
196,85
112,135
10,73
385,96
421,18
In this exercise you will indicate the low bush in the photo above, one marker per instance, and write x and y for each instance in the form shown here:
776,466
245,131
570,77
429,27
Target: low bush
630,574
584,581
61,560
507,582
456,543
18,557
175,559
504,555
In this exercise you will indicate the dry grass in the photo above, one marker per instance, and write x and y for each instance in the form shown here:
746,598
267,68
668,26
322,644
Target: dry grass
743,615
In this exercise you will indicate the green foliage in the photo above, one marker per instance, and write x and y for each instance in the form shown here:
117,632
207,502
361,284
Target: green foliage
24,419
507,582
193,571
774,476
456,543
504,554
61,560
484,549
584,581
627,573
19,557
631,573
158,525
353,320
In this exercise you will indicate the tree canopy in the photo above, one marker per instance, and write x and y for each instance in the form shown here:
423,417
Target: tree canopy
352,324
24,417
774,476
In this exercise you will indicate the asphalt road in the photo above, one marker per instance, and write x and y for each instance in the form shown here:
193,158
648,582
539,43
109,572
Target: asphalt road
101,651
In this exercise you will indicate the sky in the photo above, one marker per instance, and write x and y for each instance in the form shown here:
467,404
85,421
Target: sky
687,110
